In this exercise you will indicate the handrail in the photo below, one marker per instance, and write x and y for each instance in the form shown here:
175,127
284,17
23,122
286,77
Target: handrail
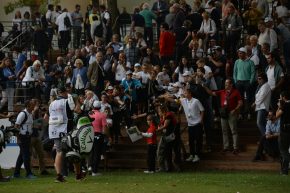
11,41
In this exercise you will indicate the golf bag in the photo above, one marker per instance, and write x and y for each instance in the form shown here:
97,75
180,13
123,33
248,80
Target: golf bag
79,142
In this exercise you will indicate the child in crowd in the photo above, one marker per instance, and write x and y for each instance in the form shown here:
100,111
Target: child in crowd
151,138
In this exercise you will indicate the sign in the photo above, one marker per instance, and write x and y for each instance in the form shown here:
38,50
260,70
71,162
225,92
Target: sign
133,133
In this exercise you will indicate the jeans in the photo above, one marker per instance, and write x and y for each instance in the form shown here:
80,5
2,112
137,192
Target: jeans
24,155
244,88
270,145
230,122
262,120
165,155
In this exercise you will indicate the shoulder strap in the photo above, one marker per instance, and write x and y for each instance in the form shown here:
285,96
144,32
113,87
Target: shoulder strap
25,118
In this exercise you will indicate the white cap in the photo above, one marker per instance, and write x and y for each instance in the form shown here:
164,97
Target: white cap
137,65
267,19
242,49
110,88
186,73
97,104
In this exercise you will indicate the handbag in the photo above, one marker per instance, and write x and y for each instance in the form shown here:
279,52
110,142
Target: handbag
169,138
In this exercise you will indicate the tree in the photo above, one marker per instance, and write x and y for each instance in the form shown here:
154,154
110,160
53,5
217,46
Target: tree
33,4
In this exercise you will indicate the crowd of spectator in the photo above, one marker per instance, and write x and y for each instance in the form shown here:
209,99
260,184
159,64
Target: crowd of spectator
217,60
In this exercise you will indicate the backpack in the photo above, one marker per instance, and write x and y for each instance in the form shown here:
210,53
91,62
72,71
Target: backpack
67,22
99,30
44,22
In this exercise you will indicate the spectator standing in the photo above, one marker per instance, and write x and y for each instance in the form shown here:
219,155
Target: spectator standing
267,35
107,20
166,44
24,123
232,25
262,102
77,19
284,138
231,102
252,17
10,76
151,138
50,23
148,17
160,8
96,75
263,7
64,29
138,22
79,79
244,77
275,77
194,112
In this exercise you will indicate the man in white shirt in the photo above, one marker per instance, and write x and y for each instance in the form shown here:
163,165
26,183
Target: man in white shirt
267,35
64,30
194,113
262,102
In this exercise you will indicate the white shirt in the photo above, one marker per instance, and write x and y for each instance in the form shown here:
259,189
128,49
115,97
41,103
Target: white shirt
57,118
255,59
192,109
32,75
60,21
27,125
263,97
268,36
180,77
162,77
144,77
208,27
271,77
120,73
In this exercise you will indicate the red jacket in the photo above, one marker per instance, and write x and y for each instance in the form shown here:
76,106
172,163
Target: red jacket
166,44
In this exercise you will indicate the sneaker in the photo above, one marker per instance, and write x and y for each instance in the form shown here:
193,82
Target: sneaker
59,178
96,174
16,176
148,172
190,158
31,177
236,151
81,176
195,159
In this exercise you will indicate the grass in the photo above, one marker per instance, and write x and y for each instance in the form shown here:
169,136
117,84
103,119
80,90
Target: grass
137,182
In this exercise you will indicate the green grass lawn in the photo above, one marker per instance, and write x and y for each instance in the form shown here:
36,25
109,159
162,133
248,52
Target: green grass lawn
137,182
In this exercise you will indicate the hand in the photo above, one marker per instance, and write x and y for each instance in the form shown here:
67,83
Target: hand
233,111
253,105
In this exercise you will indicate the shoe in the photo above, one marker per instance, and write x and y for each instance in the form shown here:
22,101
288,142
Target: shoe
5,179
148,172
226,150
96,174
60,179
236,151
44,172
31,177
16,176
81,176
190,158
195,159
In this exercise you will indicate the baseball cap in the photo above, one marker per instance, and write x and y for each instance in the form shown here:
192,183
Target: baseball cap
97,104
242,49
